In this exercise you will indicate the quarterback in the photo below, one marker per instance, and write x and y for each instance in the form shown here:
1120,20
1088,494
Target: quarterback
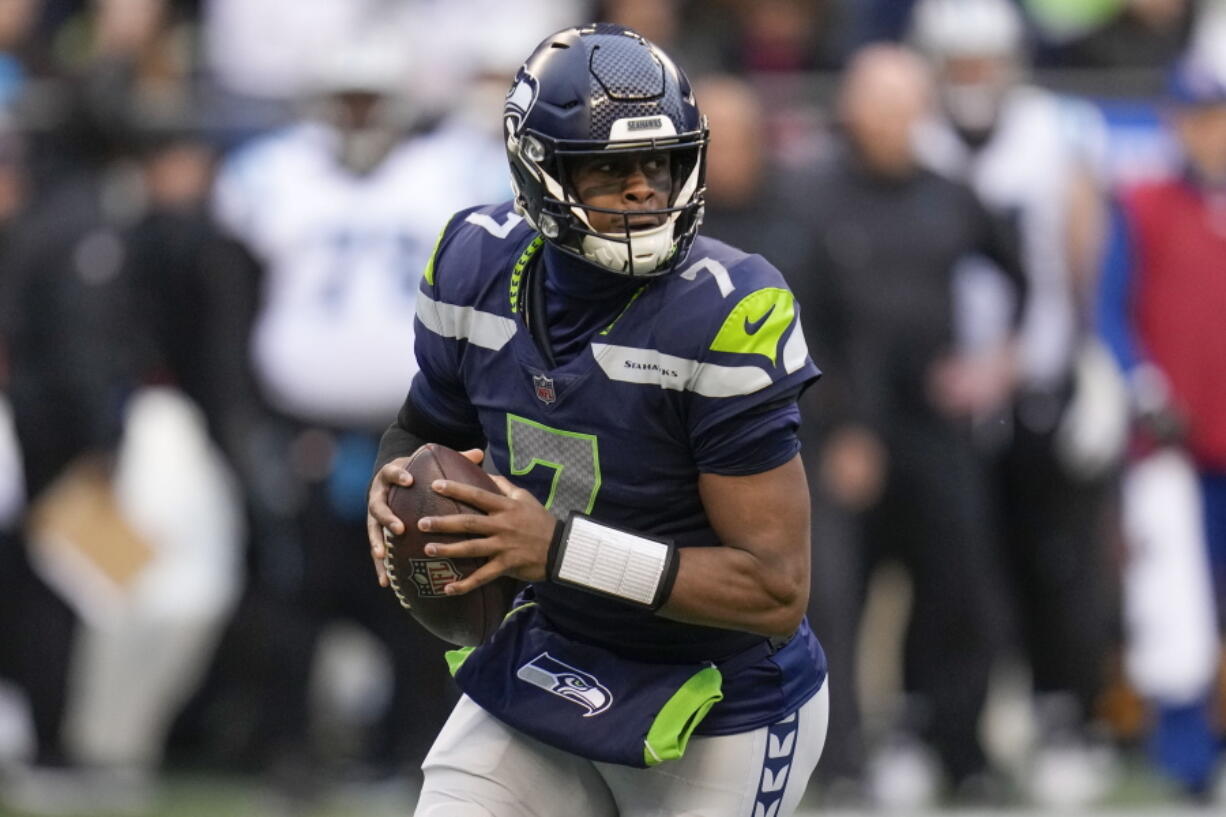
635,385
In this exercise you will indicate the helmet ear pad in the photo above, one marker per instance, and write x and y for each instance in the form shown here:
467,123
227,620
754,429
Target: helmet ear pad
585,92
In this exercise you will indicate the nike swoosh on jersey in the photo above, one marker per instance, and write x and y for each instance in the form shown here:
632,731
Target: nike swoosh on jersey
741,333
752,327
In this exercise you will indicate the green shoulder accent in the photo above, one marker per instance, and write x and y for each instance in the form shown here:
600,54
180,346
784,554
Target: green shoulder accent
429,273
517,274
679,717
757,323
456,658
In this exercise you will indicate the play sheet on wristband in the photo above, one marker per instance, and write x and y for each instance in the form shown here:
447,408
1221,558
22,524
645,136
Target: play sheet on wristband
612,561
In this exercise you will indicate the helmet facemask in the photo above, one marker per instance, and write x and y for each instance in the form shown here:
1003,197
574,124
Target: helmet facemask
977,47
973,89
630,244
603,92
359,95
366,126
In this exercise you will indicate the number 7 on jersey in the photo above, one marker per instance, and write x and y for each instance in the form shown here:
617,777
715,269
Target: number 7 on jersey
574,457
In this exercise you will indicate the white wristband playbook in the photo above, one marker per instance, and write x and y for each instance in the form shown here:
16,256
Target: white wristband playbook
613,562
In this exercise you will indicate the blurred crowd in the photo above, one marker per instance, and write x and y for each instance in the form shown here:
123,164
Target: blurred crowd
1005,222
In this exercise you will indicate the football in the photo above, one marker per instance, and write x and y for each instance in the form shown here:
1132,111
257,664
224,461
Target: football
418,579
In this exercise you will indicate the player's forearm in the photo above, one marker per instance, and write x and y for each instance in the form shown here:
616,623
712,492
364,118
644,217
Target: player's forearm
412,429
758,580
731,588
755,582
396,442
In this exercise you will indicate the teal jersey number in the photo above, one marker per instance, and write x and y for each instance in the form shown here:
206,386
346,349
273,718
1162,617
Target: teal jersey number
574,457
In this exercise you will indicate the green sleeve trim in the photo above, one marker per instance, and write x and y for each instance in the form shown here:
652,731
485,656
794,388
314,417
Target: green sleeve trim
438,242
515,610
757,323
679,717
456,658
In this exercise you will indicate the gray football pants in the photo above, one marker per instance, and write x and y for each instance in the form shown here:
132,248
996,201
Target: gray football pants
479,767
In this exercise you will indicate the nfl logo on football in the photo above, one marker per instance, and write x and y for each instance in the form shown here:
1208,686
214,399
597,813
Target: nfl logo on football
544,388
432,575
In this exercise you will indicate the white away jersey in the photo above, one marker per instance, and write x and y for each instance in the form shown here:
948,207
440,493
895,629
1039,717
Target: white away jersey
1023,173
343,255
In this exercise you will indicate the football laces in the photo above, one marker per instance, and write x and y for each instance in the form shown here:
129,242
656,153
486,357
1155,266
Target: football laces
389,567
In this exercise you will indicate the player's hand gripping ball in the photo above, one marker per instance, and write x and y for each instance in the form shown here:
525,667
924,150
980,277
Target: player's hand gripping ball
418,579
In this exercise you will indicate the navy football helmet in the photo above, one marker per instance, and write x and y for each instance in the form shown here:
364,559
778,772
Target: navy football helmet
592,91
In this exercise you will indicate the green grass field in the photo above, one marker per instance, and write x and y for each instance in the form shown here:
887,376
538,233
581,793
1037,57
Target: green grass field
1138,794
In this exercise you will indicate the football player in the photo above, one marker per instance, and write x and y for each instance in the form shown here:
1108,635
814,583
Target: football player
327,206
636,385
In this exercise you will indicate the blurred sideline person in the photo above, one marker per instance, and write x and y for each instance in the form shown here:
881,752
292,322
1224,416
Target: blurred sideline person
1162,298
341,209
751,201
617,365
1051,450
115,412
894,468
14,193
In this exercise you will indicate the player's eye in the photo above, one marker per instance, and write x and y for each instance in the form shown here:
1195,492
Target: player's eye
656,165
597,168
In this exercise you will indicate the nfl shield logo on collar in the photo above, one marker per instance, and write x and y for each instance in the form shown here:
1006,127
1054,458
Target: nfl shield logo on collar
544,388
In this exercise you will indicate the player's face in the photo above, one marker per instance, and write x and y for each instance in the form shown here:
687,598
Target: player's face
624,181
972,89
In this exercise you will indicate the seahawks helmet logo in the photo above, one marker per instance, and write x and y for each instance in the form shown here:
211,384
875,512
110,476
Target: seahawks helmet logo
565,681
519,102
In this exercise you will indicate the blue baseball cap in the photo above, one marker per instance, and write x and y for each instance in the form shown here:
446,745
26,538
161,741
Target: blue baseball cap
1194,81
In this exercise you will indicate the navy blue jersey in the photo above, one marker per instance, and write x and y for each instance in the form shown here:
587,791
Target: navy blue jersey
698,373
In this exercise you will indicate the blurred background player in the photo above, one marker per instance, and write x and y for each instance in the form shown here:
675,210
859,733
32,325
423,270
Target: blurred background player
1162,300
1024,152
895,466
341,209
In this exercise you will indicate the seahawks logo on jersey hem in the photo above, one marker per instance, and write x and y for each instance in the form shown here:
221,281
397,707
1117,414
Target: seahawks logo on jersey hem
565,681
